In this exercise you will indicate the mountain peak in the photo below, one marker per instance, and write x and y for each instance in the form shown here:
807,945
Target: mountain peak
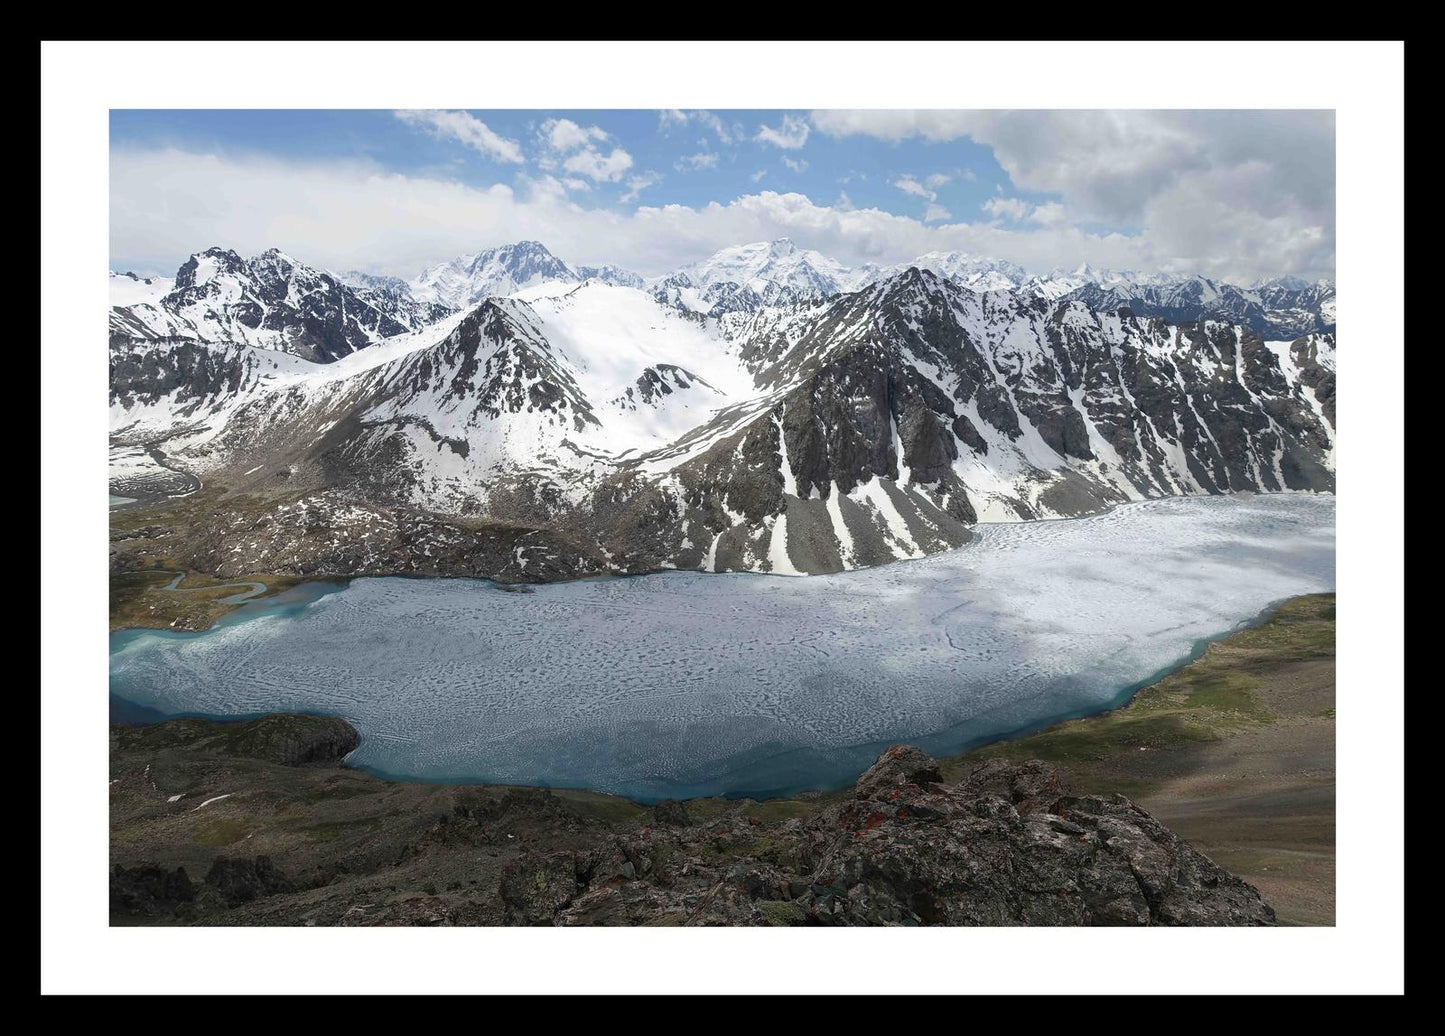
208,264
500,270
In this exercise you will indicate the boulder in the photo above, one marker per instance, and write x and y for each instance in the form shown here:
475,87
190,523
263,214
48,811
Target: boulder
670,813
897,768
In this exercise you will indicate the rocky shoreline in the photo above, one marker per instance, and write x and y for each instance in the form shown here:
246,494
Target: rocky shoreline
259,823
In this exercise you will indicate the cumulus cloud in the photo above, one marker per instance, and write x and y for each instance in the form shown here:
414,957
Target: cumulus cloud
796,166
1233,193
790,134
466,129
566,135
606,168
166,204
572,148
935,212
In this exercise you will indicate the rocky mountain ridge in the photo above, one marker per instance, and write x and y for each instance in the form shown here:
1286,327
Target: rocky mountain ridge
272,302
624,433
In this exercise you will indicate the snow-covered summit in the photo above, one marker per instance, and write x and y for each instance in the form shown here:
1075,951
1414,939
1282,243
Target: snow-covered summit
505,270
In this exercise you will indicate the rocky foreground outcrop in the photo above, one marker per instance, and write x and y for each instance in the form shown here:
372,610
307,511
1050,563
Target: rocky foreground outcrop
289,739
1006,846
283,834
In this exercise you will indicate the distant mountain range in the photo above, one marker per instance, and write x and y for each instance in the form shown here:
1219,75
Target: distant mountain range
766,409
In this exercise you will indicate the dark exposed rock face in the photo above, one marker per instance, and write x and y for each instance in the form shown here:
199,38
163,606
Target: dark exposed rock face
314,314
909,380
295,740
149,890
658,381
283,738
1006,846
144,372
242,880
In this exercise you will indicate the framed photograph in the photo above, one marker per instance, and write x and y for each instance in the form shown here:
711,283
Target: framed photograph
799,504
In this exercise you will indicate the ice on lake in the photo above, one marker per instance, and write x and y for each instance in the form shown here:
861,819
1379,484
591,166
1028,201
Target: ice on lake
684,683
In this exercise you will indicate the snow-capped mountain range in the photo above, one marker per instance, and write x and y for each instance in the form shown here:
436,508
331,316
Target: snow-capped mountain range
466,280
766,409
269,301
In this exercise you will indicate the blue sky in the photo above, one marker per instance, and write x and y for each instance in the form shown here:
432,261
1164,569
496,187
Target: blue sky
389,191
693,161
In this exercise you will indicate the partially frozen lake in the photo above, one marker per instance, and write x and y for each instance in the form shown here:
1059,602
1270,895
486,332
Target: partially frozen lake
682,683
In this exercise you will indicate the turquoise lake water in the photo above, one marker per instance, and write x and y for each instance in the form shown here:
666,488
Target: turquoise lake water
682,683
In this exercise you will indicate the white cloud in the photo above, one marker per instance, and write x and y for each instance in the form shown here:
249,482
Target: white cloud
701,160
467,129
893,125
932,212
1048,213
908,185
797,166
1007,208
571,147
791,133
639,183
757,177
566,135
602,168
1233,193
673,118
166,204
